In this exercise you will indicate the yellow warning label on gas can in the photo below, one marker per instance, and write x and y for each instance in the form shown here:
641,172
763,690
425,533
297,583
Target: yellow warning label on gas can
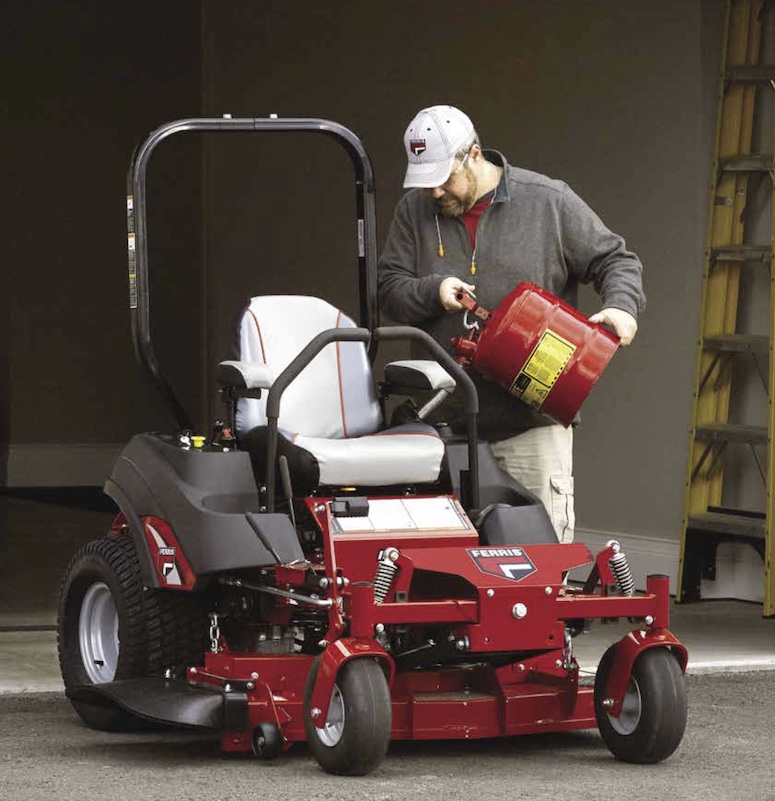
541,371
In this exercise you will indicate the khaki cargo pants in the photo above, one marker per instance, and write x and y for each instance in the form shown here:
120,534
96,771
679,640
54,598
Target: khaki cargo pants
542,460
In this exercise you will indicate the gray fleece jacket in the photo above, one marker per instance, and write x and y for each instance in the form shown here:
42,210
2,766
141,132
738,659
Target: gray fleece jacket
536,229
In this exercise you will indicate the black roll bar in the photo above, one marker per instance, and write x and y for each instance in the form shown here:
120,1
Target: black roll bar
139,295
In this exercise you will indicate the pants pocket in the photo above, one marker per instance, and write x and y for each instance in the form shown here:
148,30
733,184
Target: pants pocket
563,513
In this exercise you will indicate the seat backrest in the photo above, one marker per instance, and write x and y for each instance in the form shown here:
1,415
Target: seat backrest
334,396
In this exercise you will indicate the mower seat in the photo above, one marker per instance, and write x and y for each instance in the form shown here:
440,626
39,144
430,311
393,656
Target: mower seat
331,426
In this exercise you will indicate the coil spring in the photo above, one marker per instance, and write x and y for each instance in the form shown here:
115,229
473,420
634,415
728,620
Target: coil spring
620,567
433,404
386,572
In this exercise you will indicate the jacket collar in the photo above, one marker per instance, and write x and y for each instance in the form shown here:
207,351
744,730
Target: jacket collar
502,190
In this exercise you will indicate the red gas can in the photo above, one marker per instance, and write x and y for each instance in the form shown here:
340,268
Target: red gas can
538,348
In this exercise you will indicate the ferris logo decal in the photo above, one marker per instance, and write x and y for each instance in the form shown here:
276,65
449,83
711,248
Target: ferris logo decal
167,565
417,146
171,566
510,563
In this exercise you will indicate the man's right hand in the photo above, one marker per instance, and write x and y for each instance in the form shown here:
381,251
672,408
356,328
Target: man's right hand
447,291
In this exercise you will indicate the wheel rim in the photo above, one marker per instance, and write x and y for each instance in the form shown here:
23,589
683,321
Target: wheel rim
98,634
333,730
629,718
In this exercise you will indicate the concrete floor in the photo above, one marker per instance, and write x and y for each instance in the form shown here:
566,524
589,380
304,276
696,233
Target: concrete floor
39,536
726,755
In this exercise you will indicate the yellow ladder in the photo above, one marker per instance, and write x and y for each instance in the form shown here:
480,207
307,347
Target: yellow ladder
737,172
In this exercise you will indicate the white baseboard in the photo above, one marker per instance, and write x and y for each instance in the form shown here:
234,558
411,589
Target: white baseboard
646,555
739,574
59,465
739,569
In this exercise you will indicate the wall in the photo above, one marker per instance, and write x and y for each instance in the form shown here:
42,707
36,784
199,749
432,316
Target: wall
612,97
86,83
5,287
617,98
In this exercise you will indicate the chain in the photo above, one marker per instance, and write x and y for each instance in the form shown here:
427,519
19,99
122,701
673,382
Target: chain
215,633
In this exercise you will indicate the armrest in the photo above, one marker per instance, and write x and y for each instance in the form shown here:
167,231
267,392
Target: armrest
244,375
419,374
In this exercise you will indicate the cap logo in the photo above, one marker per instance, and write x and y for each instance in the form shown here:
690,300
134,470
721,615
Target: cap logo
417,146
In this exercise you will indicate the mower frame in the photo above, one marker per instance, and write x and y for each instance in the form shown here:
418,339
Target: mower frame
473,638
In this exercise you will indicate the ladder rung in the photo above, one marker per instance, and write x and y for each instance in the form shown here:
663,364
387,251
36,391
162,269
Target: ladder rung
742,253
737,343
758,162
751,73
732,432
729,523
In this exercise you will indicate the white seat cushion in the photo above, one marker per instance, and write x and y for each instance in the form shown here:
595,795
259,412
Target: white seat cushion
407,454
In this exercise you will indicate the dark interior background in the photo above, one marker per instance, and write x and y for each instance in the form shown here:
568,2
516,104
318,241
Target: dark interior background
615,97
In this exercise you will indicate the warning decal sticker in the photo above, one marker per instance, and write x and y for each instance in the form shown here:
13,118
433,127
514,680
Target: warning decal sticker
542,369
510,563
130,216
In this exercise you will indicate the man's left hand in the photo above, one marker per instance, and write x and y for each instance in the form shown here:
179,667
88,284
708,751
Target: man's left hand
622,322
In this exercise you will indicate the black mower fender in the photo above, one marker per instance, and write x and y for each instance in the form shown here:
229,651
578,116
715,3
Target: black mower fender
328,664
148,573
209,501
628,649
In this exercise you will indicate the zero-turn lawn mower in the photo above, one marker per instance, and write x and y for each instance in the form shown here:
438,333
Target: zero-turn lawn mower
309,573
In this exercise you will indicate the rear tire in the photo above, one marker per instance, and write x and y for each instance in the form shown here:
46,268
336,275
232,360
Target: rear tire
357,732
653,717
110,627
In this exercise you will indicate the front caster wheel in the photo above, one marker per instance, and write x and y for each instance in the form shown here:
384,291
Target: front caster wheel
653,716
356,735
267,741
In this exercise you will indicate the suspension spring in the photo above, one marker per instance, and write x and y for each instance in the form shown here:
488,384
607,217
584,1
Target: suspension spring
620,567
433,404
386,573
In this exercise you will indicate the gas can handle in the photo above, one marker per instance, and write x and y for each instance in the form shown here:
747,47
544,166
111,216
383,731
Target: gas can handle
468,301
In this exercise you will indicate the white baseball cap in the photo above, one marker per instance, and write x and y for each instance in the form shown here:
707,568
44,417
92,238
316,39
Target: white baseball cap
432,139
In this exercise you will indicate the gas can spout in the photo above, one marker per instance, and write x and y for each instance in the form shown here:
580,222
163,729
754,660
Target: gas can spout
465,349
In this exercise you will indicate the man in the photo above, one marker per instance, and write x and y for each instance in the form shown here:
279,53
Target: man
471,221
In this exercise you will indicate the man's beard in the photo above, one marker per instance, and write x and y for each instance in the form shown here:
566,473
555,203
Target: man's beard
453,206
